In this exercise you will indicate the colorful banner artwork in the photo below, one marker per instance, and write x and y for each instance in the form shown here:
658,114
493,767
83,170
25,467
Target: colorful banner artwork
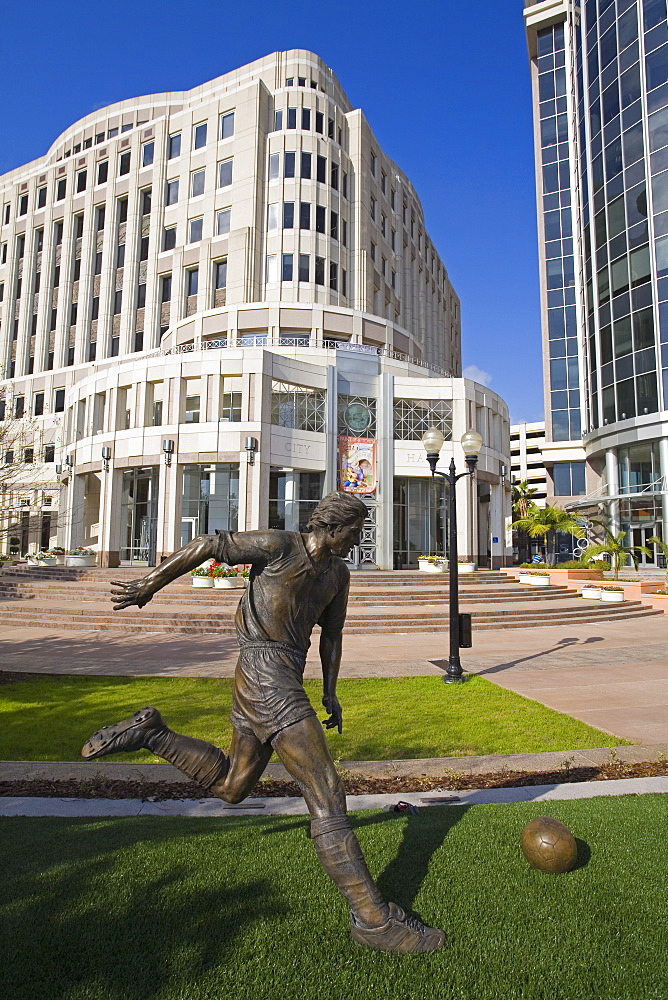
357,464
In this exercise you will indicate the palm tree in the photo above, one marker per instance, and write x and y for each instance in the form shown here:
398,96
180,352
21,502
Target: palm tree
663,547
522,503
615,548
545,522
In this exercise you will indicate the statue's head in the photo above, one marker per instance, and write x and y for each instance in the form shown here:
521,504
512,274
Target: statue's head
337,510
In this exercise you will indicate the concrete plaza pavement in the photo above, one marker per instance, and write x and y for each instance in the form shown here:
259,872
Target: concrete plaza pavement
613,676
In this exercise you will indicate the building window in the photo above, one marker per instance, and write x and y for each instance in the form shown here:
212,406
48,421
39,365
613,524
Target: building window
230,409
192,410
344,282
278,121
223,222
304,267
166,288
102,172
147,154
373,251
373,163
41,197
172,192
195,230
298,407
192,281
19,406
146,202
3,254
333,276
319,121
372,209
99,218
274,166
124,164
210,500
61,189
288,215
174,146
112,132
7,213
82,178
304,215
335,176
321,169
344,232
28,456
118,302
200,136
305,166
197,183
141,295
220,274
568,479
272,268
289,165
334,225
139,341
412,417
287,267
306,118
225,173
50,453
292,118
227,125
23,204
95,307
143,248
122,210
9,457
169,238
120,255
320,270
320,217
330,128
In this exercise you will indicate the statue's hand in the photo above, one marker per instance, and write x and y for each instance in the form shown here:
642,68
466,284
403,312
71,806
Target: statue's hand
131,592
331,703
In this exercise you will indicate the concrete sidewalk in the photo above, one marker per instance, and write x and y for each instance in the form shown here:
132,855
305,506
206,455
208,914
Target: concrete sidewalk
207,808
613,676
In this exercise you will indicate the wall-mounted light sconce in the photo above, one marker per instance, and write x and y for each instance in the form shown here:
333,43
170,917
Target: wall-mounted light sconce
106,455
168,449
251,448
69,461
502,474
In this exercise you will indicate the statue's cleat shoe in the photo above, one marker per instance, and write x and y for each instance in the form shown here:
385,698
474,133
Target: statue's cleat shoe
399,933
130,734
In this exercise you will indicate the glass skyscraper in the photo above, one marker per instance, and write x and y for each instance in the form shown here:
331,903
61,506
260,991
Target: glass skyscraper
600,93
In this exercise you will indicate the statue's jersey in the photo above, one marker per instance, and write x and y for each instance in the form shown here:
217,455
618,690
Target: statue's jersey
288,592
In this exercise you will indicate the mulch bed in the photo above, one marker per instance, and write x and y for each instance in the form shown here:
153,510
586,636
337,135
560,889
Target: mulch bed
158,791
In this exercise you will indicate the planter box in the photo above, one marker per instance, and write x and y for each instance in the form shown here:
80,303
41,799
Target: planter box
591,593
60,560
80,561
49,561
539,581
525,578
223,582
612,596
427,567
466,567
202,581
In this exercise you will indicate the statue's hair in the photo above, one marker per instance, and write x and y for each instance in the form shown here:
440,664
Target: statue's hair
337,510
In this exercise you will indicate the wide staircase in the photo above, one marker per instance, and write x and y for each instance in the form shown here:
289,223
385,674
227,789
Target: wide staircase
66,599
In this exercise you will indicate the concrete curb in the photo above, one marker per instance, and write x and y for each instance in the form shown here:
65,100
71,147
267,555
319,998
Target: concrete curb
422,767
207,808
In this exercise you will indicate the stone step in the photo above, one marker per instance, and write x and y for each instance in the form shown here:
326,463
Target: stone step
353,628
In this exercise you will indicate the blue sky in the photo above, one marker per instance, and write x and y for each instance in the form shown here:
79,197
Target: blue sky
445,86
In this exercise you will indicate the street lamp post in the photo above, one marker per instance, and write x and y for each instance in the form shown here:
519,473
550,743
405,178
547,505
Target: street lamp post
471,443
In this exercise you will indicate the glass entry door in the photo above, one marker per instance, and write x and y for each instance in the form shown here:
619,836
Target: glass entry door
139,517
640,536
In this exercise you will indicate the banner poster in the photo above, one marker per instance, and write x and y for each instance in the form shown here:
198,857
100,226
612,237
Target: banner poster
357,464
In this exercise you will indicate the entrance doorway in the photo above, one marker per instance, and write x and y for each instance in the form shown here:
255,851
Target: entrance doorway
640,535
139,517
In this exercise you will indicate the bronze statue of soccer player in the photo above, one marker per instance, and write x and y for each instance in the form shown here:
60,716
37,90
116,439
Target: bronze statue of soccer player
296,581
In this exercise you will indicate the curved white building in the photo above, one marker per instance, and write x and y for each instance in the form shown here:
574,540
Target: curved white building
237,264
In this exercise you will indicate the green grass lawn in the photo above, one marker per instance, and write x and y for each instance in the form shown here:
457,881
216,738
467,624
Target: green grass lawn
50,718
209,909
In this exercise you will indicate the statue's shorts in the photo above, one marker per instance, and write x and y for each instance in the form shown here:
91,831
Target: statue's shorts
268,689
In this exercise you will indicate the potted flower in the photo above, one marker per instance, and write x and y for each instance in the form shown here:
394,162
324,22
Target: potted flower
58,553
202,577
224,577
465,566
41,559
539,578
526,576
80,557
591,593
612,594
432,564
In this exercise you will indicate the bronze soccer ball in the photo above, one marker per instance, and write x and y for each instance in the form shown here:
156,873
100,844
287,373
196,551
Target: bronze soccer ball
549,845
